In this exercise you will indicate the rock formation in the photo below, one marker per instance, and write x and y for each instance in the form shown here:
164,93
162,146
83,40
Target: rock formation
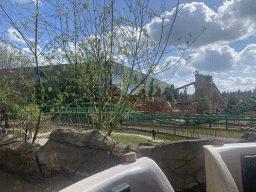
19,158
80,154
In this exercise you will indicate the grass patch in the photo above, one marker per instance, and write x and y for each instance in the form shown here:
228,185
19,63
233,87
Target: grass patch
44,136
130,139
16,133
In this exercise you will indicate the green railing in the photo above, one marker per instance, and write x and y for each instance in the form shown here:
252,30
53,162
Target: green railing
82,109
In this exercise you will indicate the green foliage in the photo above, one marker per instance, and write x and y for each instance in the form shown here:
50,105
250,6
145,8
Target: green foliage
154,90
236,95
170,94
27,117
15,85
96,39
204,104
151,88
190,100
232,101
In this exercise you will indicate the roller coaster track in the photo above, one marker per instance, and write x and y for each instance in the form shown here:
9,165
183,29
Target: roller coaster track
219,94
85,110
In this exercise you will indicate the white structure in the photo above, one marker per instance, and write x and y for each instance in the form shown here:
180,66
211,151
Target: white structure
223,166
142,175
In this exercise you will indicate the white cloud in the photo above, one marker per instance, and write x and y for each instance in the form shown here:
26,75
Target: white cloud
177,66
27,1
232,22
217,59
237,11
248,54
15,36
235,83
250,69
248,57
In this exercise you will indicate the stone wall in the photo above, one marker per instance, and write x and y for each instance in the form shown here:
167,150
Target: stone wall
80,154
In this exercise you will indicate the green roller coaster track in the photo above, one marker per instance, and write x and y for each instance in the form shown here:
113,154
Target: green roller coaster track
86,109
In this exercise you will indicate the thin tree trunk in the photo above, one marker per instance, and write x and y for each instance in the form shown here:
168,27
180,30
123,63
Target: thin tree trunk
37,127
6,120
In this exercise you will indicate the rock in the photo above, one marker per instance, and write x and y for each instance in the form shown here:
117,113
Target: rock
145,151
6,139
93,139
182,162
55,157
20,158
146,144
121,148
79,154
71,151
249,136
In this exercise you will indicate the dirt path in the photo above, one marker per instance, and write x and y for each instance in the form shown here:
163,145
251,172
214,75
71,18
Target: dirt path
42,141
142,136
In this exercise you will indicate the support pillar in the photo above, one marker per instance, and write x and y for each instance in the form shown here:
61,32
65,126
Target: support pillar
226,124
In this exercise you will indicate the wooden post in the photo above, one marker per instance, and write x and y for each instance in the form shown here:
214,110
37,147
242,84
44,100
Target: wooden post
226,124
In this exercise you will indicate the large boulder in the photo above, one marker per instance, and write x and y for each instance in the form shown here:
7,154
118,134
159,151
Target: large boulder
77,152
182,162
19,158
92,139
249,136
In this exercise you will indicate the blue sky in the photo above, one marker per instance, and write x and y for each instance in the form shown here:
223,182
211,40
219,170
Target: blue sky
226,49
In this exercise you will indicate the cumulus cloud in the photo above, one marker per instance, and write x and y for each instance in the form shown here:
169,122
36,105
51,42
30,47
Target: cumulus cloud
15,36
216,59
237,11
27,1
248,54
235,83
248,57
232,22
182,68
250,69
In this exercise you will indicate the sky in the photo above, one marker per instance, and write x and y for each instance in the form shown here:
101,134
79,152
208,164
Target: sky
225,50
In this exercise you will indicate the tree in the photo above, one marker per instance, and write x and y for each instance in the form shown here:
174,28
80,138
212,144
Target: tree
95,36
190,100
169,94
232,101
98,39
15,86
28,29
204,104
151,88
158,91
